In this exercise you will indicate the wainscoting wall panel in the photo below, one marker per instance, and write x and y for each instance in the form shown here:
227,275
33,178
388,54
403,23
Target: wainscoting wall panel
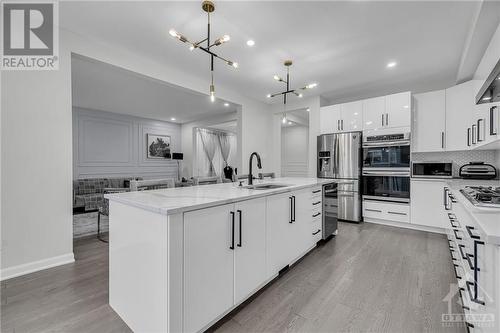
114,145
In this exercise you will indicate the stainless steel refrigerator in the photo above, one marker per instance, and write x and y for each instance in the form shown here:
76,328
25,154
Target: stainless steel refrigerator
339,158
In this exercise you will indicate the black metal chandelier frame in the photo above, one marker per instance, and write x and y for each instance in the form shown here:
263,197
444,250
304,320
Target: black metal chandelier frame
286,81
208,7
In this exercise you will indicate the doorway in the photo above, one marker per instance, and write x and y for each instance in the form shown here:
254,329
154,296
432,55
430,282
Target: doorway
295,143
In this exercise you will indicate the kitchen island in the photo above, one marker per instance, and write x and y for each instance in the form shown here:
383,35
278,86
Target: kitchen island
182,258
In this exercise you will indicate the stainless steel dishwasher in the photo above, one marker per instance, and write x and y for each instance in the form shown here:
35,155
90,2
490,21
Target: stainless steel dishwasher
330,210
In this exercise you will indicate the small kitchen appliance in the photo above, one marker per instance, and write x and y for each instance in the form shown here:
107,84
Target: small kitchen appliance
477,170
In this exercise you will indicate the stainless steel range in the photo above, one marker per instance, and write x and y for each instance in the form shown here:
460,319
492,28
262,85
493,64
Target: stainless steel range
482,196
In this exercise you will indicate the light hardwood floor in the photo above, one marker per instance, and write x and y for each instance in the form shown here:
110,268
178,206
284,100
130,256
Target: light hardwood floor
369,278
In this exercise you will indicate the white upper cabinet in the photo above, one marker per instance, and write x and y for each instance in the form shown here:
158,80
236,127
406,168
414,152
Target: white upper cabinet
351,116
374,113
460,112
398,110
429,127
329,119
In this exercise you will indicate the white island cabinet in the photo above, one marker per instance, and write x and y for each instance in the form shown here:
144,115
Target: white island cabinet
182,258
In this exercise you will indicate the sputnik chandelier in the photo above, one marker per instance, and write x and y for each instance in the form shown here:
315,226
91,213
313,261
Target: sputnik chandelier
286,81
208,7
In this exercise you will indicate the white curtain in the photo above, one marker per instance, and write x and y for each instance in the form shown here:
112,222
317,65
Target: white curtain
225,146
213,149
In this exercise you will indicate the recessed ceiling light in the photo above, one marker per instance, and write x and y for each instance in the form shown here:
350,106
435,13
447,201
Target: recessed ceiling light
391,64
173,119
308,109
486,98
226,104
250,42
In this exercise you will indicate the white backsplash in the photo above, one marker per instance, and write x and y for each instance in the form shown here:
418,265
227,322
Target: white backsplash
459,158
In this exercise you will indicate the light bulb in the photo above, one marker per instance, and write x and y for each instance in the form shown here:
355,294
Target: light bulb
225,38
226,104
300,95
212,93
276,77
173,33
283,120
191,48
268,95
235,65
311,85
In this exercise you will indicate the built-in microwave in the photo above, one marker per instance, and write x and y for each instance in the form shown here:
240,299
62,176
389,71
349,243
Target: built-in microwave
431,169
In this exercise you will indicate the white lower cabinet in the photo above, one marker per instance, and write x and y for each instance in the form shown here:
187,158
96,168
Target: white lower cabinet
288,228
208,266
226,249
387,211
250,249
427,203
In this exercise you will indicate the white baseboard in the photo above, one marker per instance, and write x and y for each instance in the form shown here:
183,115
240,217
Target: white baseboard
11,272
406,225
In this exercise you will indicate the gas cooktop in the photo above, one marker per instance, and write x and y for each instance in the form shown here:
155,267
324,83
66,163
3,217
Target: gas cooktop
483,196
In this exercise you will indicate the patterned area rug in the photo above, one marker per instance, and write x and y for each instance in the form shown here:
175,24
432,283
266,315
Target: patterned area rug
86,224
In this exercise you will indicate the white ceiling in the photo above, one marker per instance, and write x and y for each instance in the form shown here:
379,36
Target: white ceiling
344,46
101,86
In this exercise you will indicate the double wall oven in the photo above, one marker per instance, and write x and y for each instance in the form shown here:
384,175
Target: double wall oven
386,166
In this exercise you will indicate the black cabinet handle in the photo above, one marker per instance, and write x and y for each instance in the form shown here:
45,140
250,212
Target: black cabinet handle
317,191
317,214
293,197
493,120
317,232
445,198
442,140
456,236
291,209
472,267
239,214
316,203
479,123
474,134
456,273
473,296
232,231
451,253
469,231
468,137
387,119
454,225
460,248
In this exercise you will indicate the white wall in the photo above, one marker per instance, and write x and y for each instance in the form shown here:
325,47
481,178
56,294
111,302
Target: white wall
36,181
36,168
109,144
294,151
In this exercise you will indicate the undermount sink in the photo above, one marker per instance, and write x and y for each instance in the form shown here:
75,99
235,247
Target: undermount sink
265,186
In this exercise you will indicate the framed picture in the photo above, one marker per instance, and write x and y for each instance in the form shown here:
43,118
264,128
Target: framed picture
158,146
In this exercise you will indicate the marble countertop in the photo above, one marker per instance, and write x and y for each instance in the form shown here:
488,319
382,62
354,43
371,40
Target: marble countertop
487,218
181,199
